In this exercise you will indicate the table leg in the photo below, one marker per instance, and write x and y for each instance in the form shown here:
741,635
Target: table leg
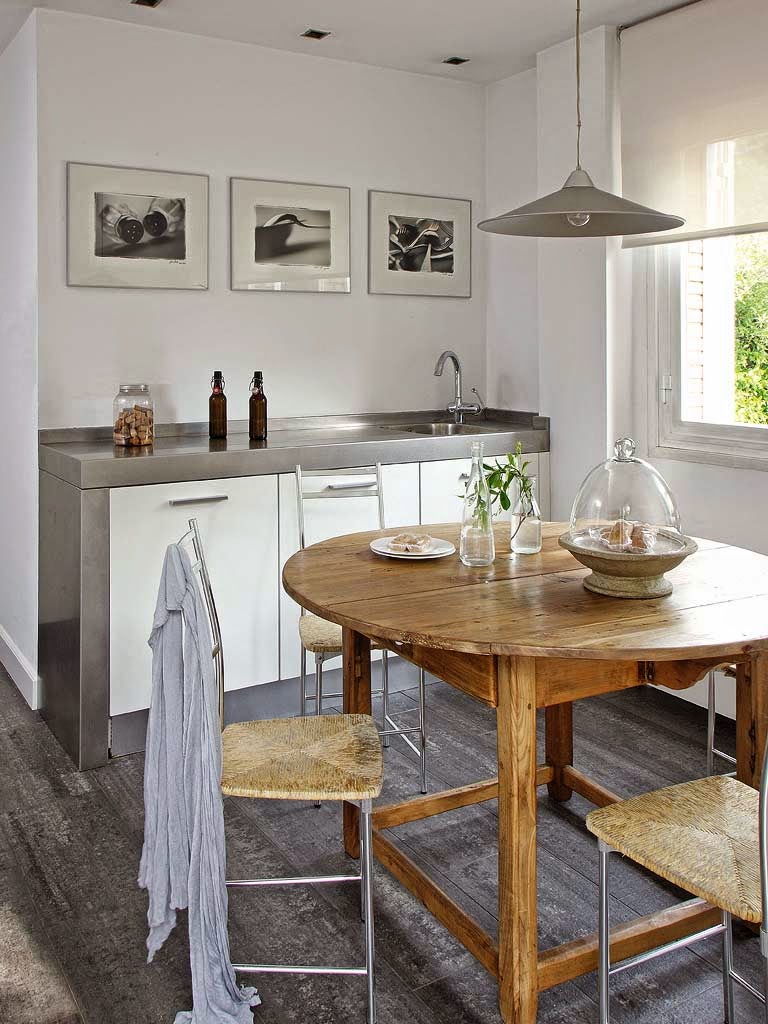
518,950
751,717
558,726
356,651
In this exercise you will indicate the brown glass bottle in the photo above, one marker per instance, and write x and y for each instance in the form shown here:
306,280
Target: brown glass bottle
257,409
217,408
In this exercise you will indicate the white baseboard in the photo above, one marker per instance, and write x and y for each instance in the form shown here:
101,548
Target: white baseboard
19,669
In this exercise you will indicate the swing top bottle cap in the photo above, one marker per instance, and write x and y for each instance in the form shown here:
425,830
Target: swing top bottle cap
258,376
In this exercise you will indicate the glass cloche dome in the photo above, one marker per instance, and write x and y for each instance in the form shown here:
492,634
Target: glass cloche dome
625,506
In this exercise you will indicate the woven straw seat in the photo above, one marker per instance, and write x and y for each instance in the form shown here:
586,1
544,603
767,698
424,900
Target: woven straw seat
702,836
321,636
318,635
325,757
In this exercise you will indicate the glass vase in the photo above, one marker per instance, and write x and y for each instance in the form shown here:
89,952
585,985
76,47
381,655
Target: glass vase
476,546
525,522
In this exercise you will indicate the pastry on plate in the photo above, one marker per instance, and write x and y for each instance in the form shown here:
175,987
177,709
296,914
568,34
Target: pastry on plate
410,543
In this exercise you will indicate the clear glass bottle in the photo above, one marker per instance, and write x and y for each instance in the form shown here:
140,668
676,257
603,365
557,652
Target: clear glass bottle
525,522
476,546
133,416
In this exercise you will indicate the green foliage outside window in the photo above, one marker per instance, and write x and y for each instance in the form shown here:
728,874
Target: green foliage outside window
752,329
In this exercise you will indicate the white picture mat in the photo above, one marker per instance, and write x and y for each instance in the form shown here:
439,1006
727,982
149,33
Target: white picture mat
84,181
245,195
397,282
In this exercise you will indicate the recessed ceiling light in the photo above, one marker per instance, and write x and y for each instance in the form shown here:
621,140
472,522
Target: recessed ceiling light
315,33
146,3
456,61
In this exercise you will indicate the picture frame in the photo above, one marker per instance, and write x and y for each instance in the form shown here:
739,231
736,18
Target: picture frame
289,236
134,228
419,245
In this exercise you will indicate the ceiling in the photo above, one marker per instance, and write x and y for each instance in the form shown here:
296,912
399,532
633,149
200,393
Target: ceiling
501,37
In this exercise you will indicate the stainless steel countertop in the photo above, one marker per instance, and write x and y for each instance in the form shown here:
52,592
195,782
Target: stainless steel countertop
87,458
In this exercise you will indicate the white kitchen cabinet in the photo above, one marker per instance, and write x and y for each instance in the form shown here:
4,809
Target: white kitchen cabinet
332,518
442,490
239,532
443,484
543,484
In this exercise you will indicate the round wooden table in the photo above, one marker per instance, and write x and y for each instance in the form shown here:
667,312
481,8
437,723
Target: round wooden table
525,634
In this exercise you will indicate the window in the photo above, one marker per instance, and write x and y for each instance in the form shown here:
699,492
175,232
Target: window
710,307
695,143
725,337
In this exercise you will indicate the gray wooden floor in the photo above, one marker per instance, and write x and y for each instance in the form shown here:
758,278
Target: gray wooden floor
72,921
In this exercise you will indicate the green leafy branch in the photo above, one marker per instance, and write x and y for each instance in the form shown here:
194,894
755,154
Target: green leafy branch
481,512
503,477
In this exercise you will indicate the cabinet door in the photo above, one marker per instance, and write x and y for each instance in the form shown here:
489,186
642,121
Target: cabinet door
324,519
544,486
239,532
442,490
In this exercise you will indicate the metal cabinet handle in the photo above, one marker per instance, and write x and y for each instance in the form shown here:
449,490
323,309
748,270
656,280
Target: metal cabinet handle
204,499
350,486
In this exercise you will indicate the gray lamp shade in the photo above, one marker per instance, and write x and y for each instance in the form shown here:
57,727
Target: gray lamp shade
579,210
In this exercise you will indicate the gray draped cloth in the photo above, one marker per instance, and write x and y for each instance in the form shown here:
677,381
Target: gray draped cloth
183,862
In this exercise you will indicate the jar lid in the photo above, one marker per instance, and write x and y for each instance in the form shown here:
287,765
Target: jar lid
125,388
625,505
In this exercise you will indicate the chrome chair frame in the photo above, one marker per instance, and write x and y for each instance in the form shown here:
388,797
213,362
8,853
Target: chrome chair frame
730,975
365,874
712,750
389,727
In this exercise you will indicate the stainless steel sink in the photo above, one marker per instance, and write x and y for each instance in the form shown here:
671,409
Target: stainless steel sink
444,429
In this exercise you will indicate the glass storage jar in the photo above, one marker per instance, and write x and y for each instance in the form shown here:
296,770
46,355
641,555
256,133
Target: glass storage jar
625,505
625,527
133,416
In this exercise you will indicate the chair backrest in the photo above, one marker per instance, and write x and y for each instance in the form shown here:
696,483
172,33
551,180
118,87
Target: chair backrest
360,482
200,568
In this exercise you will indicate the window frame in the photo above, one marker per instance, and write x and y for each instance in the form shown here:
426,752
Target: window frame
669,435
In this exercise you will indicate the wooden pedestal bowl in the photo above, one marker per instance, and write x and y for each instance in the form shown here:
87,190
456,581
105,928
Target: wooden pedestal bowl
629,575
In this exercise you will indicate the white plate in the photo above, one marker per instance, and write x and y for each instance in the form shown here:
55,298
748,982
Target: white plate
438,549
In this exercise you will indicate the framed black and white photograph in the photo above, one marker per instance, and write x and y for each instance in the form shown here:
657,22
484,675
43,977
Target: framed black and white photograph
419,245
289,237
130,228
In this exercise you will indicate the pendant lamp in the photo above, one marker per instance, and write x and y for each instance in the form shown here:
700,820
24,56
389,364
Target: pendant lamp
578,209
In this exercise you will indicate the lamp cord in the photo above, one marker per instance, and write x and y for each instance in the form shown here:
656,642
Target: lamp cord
578,84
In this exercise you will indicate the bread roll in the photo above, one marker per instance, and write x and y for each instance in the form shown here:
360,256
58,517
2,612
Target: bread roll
405,543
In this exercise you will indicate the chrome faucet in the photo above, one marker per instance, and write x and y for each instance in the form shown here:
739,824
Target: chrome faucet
458,407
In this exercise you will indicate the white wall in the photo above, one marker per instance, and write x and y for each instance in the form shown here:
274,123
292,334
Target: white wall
18,339
512,286
204,105
76,88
